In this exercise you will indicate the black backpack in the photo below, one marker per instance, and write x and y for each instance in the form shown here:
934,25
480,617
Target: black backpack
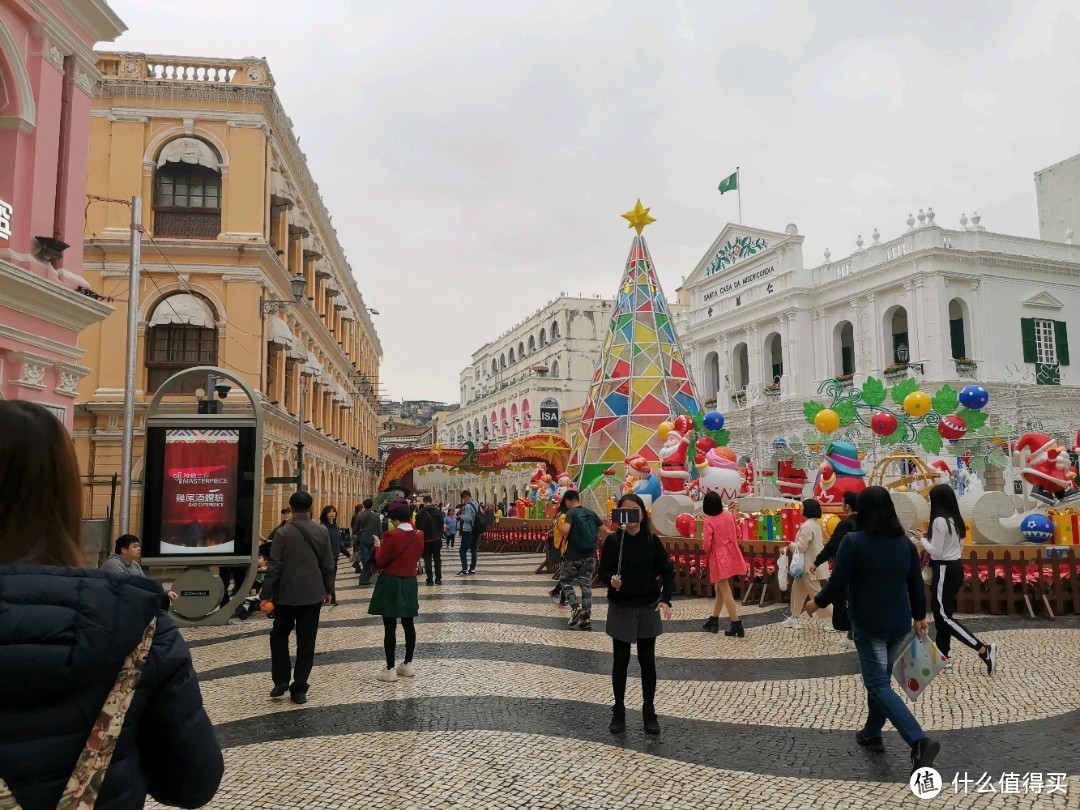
481,521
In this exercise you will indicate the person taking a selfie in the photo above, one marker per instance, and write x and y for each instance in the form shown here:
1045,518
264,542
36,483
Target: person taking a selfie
640,577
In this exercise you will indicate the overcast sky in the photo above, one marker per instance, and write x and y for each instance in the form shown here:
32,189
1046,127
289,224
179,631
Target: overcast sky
476,156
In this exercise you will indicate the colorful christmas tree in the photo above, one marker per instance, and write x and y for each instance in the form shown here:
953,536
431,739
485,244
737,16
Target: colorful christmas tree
642,378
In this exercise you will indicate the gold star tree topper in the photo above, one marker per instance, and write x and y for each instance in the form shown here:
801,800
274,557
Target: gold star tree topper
638,217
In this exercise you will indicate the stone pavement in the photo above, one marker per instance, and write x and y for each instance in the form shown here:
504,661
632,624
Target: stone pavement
510,708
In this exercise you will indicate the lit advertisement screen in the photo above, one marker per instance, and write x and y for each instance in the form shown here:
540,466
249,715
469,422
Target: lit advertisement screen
198,491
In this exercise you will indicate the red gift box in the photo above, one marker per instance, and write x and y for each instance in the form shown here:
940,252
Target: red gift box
791,518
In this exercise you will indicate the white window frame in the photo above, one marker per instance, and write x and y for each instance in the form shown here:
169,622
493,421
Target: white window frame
1045,342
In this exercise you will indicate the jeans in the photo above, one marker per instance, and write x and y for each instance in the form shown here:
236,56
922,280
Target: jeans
876,657
433,553
468,543
580,573
305,618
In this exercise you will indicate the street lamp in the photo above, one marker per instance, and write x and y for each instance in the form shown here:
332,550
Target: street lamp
298,284
902,355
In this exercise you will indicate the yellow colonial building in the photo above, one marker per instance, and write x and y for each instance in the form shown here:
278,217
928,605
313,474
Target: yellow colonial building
231,217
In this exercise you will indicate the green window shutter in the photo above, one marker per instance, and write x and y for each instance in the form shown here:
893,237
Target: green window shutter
956,338
1061,338
1027,338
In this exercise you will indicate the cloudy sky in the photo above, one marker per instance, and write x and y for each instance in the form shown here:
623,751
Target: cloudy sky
476,155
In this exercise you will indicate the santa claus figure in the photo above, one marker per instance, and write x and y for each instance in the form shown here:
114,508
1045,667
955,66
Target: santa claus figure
641,480
564,484
673,472
1046,466
718,472
747,471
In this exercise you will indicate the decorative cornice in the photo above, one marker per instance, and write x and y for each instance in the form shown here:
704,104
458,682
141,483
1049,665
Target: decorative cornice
38,297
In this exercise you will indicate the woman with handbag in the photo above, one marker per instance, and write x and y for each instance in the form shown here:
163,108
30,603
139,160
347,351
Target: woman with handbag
805,583
635,566
396,595
725,561
878,568
72,730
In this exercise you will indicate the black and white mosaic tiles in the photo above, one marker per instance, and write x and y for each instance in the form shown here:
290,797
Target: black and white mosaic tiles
509,709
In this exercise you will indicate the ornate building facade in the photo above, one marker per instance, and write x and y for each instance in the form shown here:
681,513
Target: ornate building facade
232,216
47,74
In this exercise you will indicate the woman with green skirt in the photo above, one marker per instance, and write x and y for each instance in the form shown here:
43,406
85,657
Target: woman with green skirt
395,594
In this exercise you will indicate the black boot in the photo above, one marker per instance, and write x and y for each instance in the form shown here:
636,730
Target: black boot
652,725
712,625
736,629
618,720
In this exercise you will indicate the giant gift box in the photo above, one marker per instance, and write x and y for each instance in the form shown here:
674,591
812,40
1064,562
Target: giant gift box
1066,526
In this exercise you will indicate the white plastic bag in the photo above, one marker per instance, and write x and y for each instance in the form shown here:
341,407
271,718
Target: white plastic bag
798,564
782,572
919,663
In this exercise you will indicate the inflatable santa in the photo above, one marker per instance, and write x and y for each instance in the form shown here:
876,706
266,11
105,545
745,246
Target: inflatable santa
1046,466
673,472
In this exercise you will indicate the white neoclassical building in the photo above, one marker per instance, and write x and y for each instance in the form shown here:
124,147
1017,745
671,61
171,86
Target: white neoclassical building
766,328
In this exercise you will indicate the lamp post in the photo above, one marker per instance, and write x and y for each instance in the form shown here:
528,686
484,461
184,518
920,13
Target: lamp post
299,286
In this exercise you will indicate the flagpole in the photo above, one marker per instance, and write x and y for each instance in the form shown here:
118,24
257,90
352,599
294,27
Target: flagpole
738,188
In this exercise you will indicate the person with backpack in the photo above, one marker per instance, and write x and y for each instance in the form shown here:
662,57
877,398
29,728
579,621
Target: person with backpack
367,528
473,523
637,569
581,530
429,520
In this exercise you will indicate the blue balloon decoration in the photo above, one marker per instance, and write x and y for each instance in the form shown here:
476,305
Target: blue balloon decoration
714,420
1037,528
974,397
780,443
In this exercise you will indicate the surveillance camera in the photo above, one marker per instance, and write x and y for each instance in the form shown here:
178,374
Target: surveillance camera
223,389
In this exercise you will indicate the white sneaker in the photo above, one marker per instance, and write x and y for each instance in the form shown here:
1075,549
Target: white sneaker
792,622
948,667
386,675
406,670
828,628
847,642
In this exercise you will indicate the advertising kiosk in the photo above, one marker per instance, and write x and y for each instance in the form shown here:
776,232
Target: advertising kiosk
201,494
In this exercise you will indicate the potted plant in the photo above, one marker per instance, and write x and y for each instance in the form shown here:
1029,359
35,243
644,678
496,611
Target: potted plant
772,390
896,370
711,402
965,366
846,380
739,396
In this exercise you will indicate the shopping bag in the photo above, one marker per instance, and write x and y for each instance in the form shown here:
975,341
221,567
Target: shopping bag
782,572
919,663
798,564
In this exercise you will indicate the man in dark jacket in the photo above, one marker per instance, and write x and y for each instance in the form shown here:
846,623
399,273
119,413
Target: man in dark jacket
64,633
430,521
366,530
299,581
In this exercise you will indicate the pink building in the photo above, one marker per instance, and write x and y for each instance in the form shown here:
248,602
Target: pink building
47,77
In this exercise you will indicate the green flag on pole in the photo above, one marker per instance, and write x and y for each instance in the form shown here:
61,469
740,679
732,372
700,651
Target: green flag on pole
730,183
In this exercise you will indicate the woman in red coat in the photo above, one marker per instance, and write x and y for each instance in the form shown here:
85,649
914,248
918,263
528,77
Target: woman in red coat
725,561
395,595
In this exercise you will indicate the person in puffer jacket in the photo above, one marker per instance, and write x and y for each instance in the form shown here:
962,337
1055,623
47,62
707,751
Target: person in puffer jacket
64,633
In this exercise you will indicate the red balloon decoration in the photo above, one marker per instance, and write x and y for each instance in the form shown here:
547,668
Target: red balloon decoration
883,423
686,524
705,444
952,427
683,424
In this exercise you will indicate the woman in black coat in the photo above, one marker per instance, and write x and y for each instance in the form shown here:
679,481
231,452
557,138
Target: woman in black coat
64,633
637,569
328,518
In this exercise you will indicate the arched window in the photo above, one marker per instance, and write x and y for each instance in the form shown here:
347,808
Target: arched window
476,428
512,360
554,330
502,362
503,422
543,338
182,333
526,418
711,374
958,329
532,344
740,368
515,423
554,368
494,367
896,326
774,359
485,434
468,431
521,350
187,190
460,435
494,422
844,348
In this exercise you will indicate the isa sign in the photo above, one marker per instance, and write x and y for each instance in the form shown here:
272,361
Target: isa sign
549,412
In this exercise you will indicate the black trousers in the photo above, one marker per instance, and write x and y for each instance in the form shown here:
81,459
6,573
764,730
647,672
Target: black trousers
433,554
947,581
305,618
646,655
390,639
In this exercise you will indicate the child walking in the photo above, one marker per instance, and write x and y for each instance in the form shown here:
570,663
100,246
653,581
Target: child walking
725,561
